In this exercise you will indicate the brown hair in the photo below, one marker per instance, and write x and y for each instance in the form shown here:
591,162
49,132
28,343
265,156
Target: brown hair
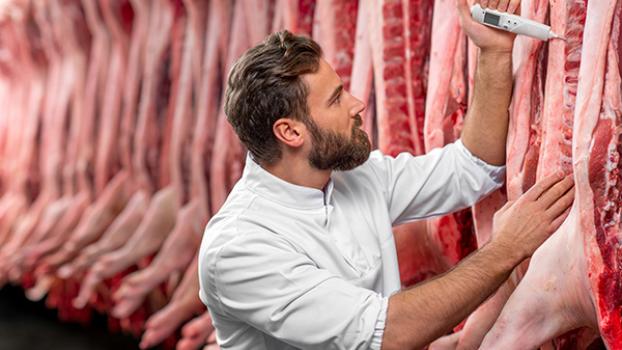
265,85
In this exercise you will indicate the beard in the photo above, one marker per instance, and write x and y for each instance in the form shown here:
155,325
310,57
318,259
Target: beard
334,151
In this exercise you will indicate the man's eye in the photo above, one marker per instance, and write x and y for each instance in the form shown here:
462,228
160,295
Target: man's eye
337,100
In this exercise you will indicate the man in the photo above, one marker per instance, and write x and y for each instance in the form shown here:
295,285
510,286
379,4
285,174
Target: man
302,255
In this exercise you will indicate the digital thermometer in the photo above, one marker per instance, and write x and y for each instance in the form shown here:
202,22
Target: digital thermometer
512,23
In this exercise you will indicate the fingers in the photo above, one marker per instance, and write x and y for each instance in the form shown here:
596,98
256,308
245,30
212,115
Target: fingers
463,9
464,13
559,220
514,7
556,192
493,4
509,6
506,206
542,186
503,5
562,204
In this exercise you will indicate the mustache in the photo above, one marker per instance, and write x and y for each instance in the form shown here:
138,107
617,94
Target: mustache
358,121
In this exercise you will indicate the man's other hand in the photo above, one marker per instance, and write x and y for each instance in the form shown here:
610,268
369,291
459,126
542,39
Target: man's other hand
486,38
521,226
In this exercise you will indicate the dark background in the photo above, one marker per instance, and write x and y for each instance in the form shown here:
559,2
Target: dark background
25,325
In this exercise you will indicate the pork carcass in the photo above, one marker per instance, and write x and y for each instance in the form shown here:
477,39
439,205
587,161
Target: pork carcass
226,166
182,306
64,214
295,16
216,44
128,220
572,280
111,196
399,52
54,118
21,183
445,108
362,73
197,332
334,29
159,217
522,153
184,239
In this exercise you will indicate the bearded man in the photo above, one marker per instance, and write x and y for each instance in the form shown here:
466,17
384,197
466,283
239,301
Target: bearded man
302,255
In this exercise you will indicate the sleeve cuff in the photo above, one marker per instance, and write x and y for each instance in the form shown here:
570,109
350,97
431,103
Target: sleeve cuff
495,172
376,340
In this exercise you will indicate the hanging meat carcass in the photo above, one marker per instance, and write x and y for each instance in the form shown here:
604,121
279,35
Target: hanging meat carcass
81,212
576,272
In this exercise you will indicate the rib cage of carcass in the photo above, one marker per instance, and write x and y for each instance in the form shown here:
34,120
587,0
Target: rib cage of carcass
115,151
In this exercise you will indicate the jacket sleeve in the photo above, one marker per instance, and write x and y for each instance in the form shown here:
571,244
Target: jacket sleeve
440,182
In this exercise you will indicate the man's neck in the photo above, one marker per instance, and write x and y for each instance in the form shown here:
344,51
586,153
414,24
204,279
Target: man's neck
299,172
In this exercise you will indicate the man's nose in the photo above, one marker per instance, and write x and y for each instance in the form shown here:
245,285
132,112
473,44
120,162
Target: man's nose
357,105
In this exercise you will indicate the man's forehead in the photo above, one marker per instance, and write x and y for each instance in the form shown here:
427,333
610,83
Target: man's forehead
322,83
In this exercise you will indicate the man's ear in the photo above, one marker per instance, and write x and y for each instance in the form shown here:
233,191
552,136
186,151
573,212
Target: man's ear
289,131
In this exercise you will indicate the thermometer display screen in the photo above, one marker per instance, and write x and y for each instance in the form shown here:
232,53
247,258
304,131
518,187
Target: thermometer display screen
491,19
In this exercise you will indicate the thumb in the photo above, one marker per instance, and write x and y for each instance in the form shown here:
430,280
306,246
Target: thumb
464,13
463,10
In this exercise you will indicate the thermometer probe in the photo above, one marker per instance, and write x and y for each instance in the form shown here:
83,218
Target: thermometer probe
512,23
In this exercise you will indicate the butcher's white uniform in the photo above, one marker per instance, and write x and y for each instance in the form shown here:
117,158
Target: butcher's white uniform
284,266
